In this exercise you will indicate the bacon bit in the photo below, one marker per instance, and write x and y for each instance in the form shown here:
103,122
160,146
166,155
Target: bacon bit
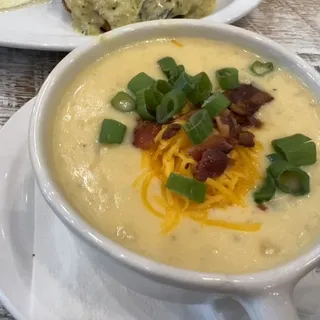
223,127
262,207
247,121
171,131
238,109
177,43
241,120
213,163
227,125
144,134
254,122
247,99
246,139
211,142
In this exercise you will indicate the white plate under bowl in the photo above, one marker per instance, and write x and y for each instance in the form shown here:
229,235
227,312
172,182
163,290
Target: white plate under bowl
47,26
60,282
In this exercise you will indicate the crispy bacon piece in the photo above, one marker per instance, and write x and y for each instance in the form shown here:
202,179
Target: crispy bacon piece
227,125
254,122
246,139
171,131
247,99
144,134
212,142
247,121
212,164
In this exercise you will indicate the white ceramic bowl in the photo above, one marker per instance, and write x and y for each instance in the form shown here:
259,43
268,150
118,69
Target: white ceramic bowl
265,295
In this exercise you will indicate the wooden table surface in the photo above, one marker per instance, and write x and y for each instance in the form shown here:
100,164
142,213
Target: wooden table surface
293,23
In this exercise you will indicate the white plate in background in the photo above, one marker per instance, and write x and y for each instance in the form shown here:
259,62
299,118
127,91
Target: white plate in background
47,26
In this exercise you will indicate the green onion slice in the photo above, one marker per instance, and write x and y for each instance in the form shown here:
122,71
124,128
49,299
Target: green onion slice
139,82
228,78
112,131
274,157
123,102
176,73
162,86
147,102
168,66
187,187
172,103
199,126
202,88
260,69
216,103
297,149
289,178
184,83
267,191
277,167
152,98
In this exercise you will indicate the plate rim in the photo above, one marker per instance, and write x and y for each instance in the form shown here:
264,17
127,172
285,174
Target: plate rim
23,113
229,14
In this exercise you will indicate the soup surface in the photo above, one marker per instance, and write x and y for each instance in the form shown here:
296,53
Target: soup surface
97,180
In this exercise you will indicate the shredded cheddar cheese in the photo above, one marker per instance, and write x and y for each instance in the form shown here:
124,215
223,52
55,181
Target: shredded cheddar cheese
227,190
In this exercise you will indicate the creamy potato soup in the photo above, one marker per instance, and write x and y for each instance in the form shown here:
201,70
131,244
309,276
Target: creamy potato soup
109,183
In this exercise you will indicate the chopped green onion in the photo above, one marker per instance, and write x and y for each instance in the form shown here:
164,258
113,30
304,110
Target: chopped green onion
202,90
289,178
187,187
266,192
216,103
259,68
184,83
294,181
228,78
176,73
162,86
297,149
274,157
172,103
139,82
123,102
112,131
152,98
168,66
144,99
199,126
277,167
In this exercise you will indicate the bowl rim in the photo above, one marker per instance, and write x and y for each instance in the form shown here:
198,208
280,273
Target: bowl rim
289,272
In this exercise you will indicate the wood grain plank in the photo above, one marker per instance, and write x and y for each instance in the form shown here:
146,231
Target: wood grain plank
293,23
22,73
